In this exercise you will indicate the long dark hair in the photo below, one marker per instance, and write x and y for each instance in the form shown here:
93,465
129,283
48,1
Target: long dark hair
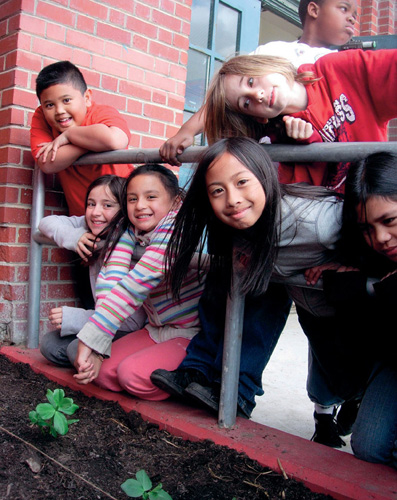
196,223
115,185
121,223
376,175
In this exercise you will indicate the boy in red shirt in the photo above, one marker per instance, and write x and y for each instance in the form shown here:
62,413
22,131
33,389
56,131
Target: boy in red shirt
69,124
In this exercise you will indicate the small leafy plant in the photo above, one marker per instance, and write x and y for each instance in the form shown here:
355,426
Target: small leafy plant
52,415
142,487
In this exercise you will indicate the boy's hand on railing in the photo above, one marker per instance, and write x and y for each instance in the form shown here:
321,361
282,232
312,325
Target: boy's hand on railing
297,128
50,149
86,245
55,317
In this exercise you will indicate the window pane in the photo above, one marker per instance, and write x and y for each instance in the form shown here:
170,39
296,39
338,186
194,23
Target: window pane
197,69
200,25
227,31
199,139
217,65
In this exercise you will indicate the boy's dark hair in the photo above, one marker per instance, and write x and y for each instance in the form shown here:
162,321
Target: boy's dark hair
302,9
60,72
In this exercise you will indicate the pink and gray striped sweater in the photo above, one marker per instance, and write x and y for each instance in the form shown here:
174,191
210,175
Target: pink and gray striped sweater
122,288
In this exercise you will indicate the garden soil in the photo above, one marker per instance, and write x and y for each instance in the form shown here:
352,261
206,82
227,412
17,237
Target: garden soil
108,446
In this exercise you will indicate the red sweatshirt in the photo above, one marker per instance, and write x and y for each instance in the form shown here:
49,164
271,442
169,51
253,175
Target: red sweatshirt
76,179
353,101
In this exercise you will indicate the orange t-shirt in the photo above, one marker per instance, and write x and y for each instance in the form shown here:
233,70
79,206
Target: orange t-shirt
76,179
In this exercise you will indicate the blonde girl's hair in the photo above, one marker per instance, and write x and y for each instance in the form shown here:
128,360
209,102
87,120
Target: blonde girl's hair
221,121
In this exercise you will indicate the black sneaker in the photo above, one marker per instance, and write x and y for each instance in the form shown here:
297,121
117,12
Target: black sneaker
327,431
347,416
175,382
208,396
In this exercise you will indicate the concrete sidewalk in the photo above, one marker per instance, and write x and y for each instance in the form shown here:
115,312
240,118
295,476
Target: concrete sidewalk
322,469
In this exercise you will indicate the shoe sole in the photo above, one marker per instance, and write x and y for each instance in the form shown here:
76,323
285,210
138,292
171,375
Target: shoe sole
167,386
194,392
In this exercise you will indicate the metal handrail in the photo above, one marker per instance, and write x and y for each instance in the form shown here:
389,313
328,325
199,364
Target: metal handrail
329,152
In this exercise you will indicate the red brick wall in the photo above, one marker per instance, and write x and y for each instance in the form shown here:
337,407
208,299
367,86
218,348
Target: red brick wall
379,17
133,55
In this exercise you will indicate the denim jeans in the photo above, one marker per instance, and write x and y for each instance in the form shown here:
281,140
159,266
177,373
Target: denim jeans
264,319
374,437
59,350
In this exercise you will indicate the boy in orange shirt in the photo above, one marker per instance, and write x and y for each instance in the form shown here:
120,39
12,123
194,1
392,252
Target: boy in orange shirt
69,124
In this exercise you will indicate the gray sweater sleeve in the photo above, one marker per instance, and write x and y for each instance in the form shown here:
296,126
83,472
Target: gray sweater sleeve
73,320
65,231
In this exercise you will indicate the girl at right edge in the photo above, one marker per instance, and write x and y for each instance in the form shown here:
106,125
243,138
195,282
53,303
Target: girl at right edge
369,236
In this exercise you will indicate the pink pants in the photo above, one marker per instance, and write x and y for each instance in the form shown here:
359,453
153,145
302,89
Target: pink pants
134,357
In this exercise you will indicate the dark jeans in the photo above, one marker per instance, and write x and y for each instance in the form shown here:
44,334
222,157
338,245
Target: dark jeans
264,319
339,351
374,437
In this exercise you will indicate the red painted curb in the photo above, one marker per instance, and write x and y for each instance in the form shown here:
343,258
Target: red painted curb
322,469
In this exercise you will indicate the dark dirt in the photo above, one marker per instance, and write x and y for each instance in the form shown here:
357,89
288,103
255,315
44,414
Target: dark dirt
108,446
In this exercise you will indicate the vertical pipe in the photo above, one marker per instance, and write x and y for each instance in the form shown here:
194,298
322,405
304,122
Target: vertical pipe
35,260
231,355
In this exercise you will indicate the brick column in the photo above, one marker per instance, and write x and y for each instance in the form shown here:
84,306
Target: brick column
133,55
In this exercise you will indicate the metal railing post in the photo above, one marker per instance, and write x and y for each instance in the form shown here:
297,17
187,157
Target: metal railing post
330,152
231,355
35,260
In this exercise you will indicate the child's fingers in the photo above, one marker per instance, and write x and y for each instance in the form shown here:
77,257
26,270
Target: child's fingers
312,275
297,129
85,366
55,317
43,148
83,251
84,378
54,152
81,254
43,153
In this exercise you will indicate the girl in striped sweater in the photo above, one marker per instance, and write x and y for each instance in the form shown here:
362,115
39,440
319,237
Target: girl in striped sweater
150,202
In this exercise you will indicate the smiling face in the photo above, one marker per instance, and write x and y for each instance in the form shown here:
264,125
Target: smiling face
101,207
235,194
64,106
335,21
378,221
261,97
148,201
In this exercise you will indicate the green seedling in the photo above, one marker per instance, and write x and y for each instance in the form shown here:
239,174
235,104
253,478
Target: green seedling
142,487
52,415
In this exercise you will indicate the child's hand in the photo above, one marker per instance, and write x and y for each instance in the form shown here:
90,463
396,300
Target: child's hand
49,149
55,317
313,274
86,245
388,275
175,146
87,363
297,128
